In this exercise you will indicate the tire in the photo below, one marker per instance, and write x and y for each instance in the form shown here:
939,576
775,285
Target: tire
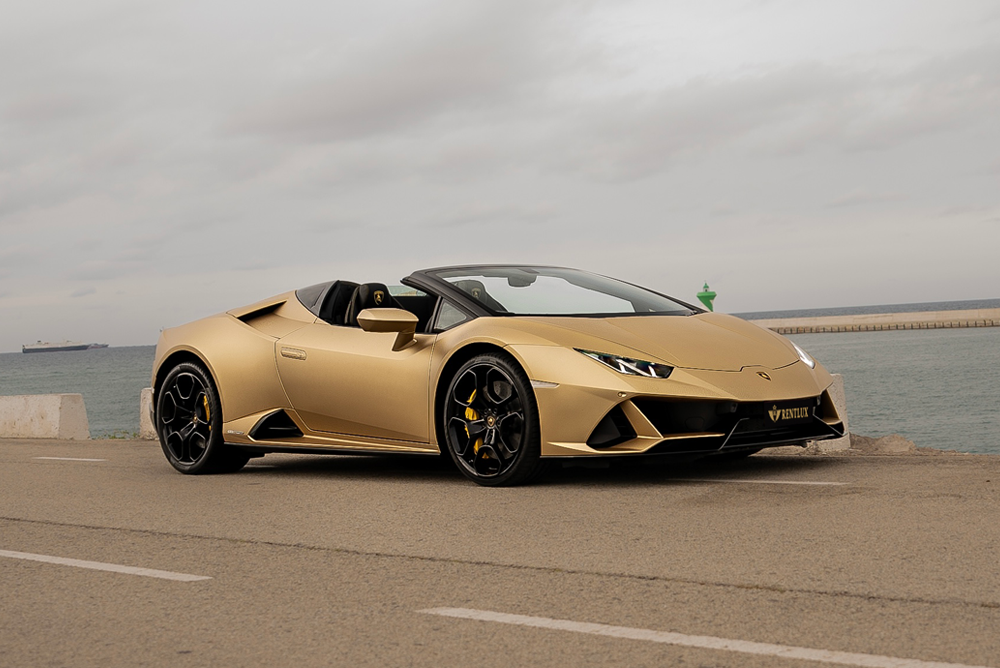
189,423
491,422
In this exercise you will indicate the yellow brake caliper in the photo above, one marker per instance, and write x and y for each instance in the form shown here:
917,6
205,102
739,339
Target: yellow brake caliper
471,414
208,413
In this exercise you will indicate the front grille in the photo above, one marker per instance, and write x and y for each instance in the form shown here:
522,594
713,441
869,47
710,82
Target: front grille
685,417
740,424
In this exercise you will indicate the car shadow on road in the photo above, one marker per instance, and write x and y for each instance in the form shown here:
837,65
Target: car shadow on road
395,467
665,470
617,472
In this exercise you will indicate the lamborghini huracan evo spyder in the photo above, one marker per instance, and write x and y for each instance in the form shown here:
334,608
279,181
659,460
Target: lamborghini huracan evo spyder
502,367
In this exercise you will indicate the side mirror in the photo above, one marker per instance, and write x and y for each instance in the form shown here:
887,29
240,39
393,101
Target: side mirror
396,320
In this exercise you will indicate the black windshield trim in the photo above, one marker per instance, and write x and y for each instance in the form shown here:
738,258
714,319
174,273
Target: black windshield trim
431,279
645,314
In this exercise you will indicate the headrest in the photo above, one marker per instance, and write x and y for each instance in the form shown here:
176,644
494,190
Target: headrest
478,292
335,304
369,295
474,288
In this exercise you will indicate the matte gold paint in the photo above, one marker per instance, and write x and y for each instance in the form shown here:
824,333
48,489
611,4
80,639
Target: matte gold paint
373,388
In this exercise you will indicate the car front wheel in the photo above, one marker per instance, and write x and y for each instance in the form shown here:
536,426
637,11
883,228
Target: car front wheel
189,423
491,422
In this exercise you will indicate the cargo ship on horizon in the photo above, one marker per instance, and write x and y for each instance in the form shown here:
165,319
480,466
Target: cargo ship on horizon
60,347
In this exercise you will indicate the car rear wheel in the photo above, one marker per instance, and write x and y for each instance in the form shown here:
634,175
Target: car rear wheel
491,422
189,423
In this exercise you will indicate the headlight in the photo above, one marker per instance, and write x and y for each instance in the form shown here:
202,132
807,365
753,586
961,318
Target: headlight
629,366
804,356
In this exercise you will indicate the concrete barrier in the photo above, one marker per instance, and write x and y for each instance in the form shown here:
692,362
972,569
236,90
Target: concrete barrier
61,416
146,429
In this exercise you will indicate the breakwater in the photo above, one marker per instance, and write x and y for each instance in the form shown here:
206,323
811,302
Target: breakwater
878,322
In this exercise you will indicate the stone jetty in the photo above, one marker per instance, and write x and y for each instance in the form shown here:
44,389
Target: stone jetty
877,322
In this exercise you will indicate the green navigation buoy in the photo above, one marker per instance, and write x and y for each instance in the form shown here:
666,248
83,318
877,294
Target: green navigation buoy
706,297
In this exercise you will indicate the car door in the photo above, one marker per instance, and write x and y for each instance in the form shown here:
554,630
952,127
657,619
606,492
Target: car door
343,380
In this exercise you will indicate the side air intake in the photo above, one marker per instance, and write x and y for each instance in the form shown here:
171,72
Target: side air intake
273,426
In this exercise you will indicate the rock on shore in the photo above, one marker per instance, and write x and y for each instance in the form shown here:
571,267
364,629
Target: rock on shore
893,444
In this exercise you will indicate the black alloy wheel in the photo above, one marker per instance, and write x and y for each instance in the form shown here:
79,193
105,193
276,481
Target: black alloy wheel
189,423
491,422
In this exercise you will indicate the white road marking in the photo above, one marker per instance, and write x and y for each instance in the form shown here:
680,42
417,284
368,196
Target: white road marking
99,566
72,459
703,642
758,482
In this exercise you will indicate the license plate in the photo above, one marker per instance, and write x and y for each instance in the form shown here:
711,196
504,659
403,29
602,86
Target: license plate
782,414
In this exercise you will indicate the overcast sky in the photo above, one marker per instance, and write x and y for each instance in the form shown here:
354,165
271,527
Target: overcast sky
160,162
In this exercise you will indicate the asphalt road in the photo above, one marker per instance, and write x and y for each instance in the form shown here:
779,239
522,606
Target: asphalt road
337,561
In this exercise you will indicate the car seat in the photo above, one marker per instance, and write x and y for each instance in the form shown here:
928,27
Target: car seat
368,295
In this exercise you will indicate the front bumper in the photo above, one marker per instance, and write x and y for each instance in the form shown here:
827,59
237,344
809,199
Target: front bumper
588,410
692,427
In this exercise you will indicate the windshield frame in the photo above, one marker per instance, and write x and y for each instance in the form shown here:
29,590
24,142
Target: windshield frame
433,279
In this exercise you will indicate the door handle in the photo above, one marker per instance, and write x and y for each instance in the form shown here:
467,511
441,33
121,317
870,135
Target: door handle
293,353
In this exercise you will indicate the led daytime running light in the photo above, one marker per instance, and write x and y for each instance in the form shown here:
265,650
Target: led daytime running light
804,356
629,366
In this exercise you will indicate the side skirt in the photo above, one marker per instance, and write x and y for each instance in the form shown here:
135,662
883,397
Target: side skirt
261,449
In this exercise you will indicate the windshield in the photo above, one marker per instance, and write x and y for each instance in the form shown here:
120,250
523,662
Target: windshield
554,291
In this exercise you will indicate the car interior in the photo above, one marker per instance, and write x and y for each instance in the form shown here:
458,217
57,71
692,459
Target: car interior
344,300
477,291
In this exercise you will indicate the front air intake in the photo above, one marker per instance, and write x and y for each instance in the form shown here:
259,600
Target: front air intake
612,430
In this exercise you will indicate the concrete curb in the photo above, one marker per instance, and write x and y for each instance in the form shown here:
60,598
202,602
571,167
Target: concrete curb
53,416
146,429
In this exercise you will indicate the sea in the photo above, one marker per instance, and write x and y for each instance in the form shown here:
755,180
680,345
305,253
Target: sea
110,380
940,388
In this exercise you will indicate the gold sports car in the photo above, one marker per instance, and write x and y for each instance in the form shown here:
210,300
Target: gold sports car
502,367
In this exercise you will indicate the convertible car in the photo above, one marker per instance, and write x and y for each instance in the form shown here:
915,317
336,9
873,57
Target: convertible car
500,367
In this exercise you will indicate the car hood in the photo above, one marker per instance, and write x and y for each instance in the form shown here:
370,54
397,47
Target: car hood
708,341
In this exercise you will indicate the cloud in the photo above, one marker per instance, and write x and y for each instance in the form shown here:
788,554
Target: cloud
255,266
784,110
19,255
859,197
154,149
83,292
96,270
42,107
964,209
473,60
721,210
500,215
